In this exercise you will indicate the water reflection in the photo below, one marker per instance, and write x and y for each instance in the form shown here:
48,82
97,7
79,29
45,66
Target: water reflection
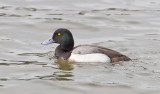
63,71
60,76
67,76
63,65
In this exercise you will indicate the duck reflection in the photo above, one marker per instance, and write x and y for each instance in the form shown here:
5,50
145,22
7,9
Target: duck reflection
66,70
63,72
63,65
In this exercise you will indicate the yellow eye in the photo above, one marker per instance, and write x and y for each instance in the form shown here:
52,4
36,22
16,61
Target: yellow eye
59,34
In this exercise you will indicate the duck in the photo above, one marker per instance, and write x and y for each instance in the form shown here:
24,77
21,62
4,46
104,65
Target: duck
81,53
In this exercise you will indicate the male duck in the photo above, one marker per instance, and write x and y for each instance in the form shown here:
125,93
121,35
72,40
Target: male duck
82,53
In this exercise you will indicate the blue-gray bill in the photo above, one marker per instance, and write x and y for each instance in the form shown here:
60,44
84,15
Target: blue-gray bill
49,41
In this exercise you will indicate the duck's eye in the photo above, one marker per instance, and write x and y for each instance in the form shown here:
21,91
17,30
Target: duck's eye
59,34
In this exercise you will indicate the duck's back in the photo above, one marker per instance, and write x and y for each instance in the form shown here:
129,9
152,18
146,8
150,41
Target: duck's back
103,54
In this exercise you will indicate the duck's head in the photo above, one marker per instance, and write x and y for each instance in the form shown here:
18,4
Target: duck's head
63,37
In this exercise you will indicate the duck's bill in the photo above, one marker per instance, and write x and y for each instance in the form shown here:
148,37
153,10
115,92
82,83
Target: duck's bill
49,41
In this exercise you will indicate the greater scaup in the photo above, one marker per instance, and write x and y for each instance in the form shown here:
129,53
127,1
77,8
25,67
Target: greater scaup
82,53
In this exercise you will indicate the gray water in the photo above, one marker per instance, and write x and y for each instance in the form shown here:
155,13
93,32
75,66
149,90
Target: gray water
128,26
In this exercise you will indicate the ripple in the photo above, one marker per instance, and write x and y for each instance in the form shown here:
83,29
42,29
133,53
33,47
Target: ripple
152,34
82,13
14,15
61,76
5,39
2,14
133,22
21,62
5,7
121,9
3,79
24,8
118,9
55,14
34,54
50,18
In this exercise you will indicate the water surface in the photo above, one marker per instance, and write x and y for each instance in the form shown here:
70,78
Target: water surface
128,26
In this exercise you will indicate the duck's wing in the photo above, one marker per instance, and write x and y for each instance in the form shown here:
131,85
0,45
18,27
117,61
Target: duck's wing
90,49
114,55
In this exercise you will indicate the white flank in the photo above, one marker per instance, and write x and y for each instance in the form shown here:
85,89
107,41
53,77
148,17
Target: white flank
97,57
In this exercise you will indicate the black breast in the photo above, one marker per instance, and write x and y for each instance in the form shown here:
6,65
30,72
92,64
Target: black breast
62,54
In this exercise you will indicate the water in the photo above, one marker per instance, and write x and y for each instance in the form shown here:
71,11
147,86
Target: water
128,26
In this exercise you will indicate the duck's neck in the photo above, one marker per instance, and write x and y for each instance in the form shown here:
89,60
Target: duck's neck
68,45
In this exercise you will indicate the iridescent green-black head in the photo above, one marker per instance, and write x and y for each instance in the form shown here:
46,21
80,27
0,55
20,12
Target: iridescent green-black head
63,37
